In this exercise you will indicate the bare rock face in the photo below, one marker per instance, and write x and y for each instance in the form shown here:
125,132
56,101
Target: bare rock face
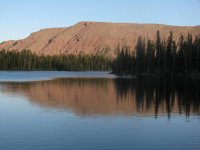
93,38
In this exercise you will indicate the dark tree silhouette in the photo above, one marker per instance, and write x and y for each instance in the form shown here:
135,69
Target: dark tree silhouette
25,60
160,56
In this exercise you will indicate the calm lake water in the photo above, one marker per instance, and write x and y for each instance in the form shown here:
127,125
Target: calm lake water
97,111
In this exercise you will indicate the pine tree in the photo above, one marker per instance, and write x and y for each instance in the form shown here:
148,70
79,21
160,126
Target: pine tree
158,50
189,52
150,56
169,52
140,55
181,63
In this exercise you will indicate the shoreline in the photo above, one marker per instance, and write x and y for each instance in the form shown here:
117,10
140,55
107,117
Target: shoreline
187,75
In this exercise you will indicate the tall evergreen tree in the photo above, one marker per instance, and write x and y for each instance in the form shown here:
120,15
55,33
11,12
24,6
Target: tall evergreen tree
169,52
189,52
140,55
158,50
181,64
150,56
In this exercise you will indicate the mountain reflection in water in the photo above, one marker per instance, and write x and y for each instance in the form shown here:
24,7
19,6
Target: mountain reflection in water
141,96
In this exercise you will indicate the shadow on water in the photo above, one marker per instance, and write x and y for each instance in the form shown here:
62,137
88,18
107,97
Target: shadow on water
141,96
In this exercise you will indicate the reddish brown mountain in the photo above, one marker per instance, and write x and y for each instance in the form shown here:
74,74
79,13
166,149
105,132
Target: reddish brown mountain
92,38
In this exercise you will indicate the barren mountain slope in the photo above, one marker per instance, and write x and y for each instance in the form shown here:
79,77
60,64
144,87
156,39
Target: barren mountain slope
92,38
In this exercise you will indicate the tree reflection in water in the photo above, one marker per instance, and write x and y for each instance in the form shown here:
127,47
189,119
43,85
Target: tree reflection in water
90,96
161,93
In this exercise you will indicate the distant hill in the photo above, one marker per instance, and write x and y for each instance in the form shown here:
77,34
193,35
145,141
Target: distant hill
93,38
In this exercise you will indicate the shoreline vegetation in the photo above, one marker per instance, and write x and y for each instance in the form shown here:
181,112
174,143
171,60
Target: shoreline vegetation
162,57
28,61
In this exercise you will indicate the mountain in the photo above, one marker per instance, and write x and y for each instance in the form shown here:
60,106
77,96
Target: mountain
93,38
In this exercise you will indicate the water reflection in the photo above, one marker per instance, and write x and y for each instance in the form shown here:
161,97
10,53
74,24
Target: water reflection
141,96
161,95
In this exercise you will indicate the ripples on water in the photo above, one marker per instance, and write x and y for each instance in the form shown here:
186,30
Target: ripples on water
100,113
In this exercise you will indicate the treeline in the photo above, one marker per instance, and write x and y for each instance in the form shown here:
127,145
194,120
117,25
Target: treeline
25,60
160,56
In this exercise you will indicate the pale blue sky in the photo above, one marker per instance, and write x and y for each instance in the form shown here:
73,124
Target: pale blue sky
18,18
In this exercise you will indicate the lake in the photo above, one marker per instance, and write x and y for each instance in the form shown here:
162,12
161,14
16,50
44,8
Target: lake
97,111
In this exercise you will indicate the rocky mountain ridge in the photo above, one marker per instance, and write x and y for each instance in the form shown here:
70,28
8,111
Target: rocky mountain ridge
93,38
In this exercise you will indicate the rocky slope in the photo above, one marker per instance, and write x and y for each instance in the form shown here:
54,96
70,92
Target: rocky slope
92,38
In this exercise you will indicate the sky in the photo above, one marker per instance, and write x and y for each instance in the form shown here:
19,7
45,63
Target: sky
19,18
